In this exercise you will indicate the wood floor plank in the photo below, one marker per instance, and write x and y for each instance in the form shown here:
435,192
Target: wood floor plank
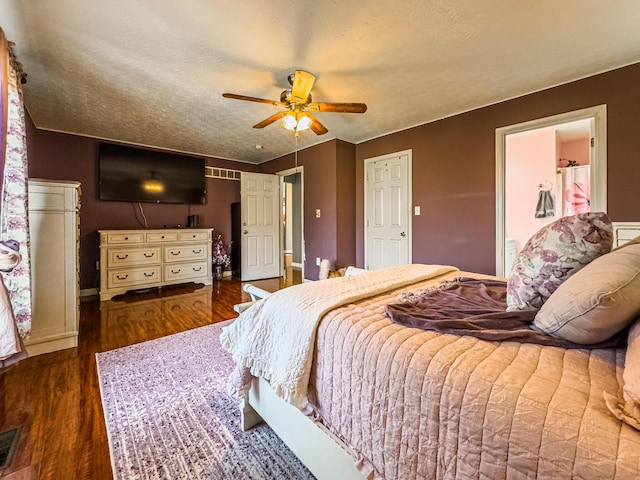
56,396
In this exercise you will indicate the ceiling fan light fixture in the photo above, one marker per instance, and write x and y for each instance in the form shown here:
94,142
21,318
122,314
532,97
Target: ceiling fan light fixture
296,121
304,121
289,121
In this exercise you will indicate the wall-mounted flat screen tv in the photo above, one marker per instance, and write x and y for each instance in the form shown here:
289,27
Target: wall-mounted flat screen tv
130,174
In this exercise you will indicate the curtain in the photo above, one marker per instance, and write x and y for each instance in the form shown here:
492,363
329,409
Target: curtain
13,209
576,186
4,78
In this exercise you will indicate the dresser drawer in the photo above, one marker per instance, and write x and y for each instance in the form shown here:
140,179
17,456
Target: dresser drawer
194,236
182,253
184,271
129,257
132,277
125,238
162,237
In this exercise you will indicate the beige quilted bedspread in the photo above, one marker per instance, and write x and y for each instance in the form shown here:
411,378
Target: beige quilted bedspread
418,404
275,337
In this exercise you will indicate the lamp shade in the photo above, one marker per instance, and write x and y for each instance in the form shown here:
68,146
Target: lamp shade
289,121
304,121
296,121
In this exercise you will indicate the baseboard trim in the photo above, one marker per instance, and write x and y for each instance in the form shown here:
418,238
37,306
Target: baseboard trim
89,292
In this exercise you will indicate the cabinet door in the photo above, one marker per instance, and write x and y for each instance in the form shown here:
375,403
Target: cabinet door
52,267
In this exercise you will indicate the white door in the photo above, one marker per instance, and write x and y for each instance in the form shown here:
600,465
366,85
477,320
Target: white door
387,214
260,245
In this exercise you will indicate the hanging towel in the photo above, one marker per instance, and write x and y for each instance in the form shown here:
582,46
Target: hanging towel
545,205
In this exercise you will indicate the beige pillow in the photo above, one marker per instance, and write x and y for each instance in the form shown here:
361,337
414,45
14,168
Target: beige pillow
596,302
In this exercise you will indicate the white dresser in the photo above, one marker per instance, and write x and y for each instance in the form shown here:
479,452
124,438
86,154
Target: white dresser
54,222
135,259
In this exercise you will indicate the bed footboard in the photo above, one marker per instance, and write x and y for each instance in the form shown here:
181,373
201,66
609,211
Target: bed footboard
320,451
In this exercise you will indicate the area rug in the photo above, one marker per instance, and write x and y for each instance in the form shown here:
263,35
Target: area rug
168,416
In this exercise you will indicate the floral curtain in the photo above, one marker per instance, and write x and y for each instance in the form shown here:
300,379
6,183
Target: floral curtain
4,77
13,210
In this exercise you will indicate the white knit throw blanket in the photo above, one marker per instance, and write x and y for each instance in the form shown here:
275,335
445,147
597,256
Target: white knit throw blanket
275,337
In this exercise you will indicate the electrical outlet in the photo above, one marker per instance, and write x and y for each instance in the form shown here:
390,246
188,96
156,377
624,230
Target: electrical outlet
318,261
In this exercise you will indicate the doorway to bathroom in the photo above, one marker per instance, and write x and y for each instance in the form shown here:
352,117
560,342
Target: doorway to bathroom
546,169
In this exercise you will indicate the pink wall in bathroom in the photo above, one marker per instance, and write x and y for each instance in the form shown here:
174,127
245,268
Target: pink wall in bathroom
531,160
577,150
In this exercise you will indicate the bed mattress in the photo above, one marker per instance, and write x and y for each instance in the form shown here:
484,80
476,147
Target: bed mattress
418,404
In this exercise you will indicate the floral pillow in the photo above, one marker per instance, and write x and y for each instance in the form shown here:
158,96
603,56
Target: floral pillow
553,254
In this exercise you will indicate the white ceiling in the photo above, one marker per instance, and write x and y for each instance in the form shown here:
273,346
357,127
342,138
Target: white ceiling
152,72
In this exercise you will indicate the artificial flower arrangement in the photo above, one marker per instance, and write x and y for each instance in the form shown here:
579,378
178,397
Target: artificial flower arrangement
220,255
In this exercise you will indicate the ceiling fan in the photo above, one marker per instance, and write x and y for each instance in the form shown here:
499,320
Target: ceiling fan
298,106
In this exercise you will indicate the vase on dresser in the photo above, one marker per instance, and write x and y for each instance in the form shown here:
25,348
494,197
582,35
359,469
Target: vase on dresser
218,272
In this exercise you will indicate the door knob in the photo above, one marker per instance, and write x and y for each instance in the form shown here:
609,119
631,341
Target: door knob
245,231
403,234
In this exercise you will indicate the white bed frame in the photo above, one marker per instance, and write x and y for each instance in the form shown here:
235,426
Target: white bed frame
318,449
324,454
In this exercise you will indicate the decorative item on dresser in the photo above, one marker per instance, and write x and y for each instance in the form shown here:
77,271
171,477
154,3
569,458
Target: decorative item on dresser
54,218
134,259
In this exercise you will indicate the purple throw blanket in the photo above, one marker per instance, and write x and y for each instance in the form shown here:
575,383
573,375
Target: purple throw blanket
470,306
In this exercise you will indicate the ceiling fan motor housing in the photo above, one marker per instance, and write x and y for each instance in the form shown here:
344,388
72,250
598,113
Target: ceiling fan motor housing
285,97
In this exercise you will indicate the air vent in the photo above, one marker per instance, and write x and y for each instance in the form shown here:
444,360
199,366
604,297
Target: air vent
225,173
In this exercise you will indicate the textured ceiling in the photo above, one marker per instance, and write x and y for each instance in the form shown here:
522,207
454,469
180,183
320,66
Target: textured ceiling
152,72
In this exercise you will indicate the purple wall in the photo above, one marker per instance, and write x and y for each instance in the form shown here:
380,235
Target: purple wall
454,166
329,173
453,179
59,156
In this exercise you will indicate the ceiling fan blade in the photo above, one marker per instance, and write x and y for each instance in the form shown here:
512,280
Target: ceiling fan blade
337,107
271,119
316,126
302,83
253,99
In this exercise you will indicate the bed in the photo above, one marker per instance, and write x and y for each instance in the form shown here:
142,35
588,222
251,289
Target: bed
382,400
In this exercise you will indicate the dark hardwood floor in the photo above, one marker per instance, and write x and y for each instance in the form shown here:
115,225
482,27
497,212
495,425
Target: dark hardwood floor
55,397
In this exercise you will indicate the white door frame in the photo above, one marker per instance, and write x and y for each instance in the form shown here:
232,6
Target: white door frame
408,184
598,165
283,174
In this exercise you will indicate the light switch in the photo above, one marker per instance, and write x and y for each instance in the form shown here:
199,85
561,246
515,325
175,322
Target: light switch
416,210
317,213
